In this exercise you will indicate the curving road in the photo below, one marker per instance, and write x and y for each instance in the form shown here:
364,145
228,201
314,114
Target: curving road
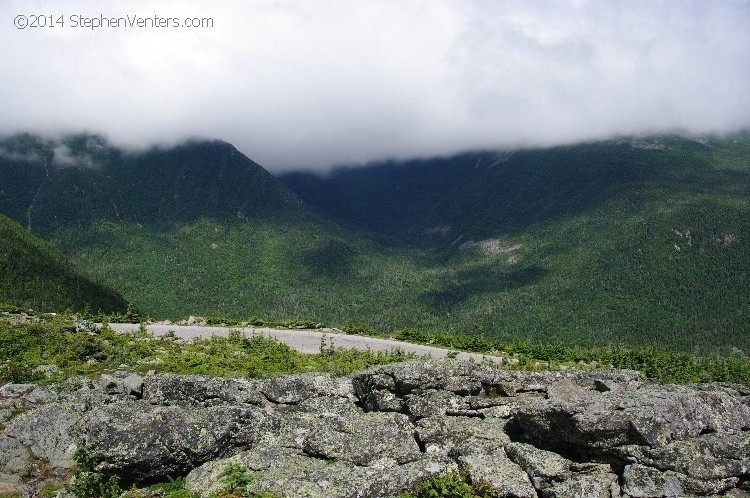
305,341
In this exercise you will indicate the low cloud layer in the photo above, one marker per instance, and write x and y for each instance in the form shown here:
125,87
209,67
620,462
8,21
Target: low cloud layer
298,84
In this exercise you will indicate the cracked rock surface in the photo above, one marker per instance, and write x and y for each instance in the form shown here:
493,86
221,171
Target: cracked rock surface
598,434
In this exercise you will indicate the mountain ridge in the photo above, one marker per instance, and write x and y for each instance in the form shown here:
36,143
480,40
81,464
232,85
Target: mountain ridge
433,190
95,181
638,241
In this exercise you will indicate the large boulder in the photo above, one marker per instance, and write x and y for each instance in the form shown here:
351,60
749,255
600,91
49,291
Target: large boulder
650,416
293,389
144,442
199,390
497,472
46,433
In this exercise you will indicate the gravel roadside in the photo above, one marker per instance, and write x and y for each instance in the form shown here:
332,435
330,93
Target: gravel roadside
304,341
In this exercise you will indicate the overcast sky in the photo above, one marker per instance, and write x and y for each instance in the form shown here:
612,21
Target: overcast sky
310,84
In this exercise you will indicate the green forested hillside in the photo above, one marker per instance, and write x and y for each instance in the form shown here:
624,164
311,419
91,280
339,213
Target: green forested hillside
485,194
633,241
36,275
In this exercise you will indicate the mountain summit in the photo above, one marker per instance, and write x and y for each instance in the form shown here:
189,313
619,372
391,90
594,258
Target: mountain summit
52,184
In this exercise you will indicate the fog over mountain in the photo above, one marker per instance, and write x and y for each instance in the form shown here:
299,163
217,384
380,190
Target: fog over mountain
312,84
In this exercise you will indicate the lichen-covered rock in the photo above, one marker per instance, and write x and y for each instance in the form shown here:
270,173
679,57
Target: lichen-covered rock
540,465
293,389
15,459
377,391
433,402
15,391
287,474
414,377
502,475
558,477
707,457
586,434
559,384
364,439
597,481
122,383
46,433
461,435
650,416
321,406
144,441
640,481
198,390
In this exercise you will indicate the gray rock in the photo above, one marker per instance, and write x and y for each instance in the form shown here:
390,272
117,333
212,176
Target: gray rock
145,442
322,406
539,464
200,391
293,389
461,435
122,383
649,416
377,391
133,385
500,473
711,456
550,434
513,383
430,403
414,377
39,396
596,482
289,475
640,481
46,432
15,391
566,389
364,439
557,476
380,400
277,462
5,415
15,459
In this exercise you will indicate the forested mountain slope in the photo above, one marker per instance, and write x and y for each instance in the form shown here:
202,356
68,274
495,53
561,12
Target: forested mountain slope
641,241
34,274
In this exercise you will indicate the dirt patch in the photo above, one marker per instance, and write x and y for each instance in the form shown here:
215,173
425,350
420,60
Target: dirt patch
491,246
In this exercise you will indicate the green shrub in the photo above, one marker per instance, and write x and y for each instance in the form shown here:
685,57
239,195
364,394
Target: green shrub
87,483
173,488
450,484
16,372
236,479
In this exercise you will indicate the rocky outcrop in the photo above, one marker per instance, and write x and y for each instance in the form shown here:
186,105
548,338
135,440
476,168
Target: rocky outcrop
379,432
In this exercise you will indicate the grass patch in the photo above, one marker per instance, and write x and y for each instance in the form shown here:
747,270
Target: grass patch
56,341
659,364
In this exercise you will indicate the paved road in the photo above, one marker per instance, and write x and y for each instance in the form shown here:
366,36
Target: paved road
304,341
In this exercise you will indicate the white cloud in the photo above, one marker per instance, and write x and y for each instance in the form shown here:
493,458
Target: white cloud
303,84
